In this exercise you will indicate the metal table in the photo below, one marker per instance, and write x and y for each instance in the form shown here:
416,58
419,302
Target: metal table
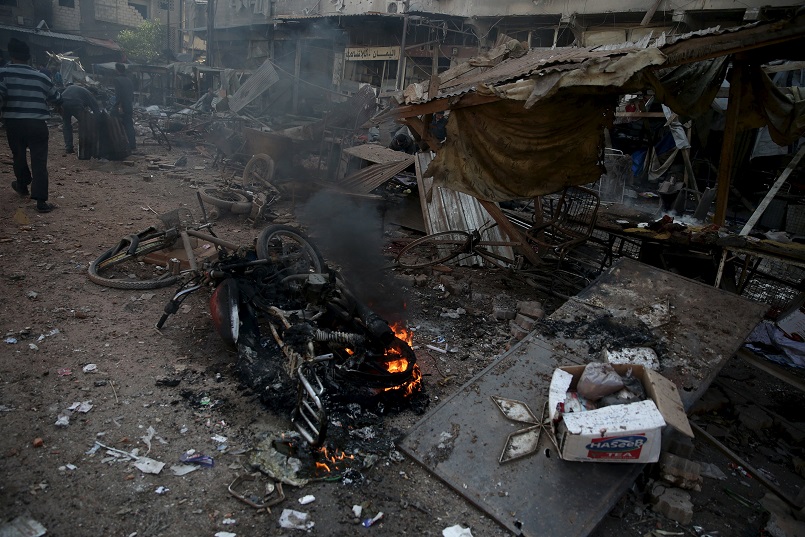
461,440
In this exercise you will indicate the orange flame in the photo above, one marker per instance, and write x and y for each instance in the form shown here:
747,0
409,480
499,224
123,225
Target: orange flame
322,466
402,333
337,456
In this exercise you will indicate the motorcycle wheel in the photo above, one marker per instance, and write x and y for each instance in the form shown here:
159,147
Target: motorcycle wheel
291,248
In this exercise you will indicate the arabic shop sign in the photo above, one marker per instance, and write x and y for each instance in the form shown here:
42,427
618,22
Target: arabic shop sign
356,54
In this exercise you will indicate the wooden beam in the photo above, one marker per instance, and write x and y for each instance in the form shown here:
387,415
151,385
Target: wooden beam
445,103
772,192
514,234
640,114
759,477
716,45
650,13
728,145
790,66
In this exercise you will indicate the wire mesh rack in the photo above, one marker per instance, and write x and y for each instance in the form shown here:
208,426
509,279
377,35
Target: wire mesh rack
772,282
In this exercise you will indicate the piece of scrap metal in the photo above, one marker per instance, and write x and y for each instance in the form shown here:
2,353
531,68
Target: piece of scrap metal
524,442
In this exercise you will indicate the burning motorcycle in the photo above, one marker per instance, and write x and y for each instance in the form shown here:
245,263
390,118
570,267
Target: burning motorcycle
301,334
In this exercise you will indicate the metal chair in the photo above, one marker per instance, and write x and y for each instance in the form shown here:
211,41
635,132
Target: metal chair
572,223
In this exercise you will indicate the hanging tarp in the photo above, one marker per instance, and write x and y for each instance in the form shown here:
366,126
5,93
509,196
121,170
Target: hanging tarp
502,151
530,124
764,104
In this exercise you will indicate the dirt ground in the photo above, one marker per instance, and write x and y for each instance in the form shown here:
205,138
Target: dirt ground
55,322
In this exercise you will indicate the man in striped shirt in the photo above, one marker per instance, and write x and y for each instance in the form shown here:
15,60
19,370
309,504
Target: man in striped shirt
24,93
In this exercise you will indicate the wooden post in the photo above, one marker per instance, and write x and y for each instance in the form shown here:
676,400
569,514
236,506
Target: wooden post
297,67
728,145
210,31
513,233
772,192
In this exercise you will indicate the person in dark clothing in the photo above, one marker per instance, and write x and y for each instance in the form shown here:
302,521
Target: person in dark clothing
438,126
403,142
75,99
24,92
124,104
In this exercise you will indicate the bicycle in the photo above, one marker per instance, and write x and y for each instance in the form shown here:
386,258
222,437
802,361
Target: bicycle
124,265
442,247
559,276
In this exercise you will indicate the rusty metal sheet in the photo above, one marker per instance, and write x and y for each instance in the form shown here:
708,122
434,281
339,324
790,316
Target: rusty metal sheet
367,179
444,209
377,154
461,440
262,79
276,146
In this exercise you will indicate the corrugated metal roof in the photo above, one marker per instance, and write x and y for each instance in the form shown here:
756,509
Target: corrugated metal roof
532,61
43,33
544,61
104,43
303,16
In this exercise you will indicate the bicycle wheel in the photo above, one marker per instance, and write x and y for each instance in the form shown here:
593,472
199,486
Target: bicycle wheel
226,199
291,249
119,269
433,249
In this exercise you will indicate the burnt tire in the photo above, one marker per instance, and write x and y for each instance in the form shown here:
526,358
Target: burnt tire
226,199
119,269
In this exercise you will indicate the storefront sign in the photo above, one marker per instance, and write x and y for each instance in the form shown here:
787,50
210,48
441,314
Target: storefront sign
357,54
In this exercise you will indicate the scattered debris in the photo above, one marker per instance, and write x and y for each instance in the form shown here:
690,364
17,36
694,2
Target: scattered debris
197,458
90,368
22,526
161,490
309,498
369,522
456,531
182,469
82,407
148,466
295,520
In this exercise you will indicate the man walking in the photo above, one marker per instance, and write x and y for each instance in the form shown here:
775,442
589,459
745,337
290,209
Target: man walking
124,102
74,100
24,92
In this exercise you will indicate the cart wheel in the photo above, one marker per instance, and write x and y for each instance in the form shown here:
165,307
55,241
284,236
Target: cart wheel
259,173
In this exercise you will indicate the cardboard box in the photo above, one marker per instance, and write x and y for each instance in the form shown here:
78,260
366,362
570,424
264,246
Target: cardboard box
618,433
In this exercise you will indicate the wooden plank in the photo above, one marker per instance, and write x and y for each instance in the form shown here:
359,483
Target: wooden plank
650,13
759,476
772,192
511,230
789,66
640,114
771,368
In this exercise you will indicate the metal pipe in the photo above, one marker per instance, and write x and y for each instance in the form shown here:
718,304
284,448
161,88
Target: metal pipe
401,61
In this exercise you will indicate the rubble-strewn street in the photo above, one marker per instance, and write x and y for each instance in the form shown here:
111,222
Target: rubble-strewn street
165,395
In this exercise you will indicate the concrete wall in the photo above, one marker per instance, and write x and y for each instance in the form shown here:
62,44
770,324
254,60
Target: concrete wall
485,8
118,12
67,19
11,14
